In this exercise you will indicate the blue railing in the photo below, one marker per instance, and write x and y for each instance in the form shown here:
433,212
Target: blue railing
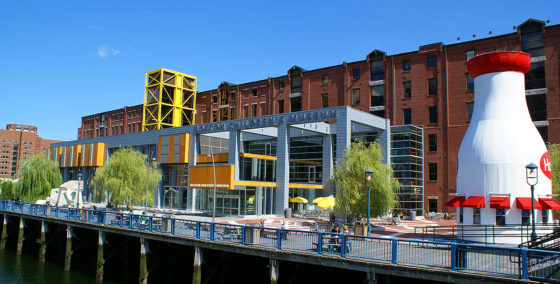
505,261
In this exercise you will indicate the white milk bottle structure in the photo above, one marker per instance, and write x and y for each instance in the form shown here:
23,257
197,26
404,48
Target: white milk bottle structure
500,142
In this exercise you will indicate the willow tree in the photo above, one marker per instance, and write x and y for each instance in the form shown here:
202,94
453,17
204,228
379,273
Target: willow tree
124,178
37,177
349,179
554,155
7,188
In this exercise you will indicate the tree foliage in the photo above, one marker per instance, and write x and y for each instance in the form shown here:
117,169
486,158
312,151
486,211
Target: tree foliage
37,177
351,196
7,188
554,155
124,178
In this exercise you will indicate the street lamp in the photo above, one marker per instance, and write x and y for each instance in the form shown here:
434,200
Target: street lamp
148,182
214,175
78,193
368,174
532,180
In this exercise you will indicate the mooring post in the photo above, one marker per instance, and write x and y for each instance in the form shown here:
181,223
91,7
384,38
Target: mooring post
4,233
68,255
371,277
100,260
197,271
273,271
42,241
20,237
143,279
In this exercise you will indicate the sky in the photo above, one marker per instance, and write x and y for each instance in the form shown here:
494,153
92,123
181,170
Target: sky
61,60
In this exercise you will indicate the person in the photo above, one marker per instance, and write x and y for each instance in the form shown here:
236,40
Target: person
348,245
261,222
345,229
144,218
334,239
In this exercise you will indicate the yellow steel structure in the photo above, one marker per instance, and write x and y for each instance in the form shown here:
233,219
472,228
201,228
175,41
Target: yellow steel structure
169,100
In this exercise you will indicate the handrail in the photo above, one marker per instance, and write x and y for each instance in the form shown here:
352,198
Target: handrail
513,261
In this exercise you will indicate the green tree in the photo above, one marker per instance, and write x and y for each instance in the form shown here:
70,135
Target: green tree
37,177
554,155
124,178
349,179
7,188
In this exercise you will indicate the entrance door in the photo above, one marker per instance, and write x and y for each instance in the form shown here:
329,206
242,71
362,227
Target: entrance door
432,205
225,204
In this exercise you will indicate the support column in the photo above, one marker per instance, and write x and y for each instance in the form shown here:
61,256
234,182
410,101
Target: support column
42,241
68,254
143,279
100,260
274,271
20,237
343,133
4,236
282,192
194,143
197,270
327,165
371,278
234,152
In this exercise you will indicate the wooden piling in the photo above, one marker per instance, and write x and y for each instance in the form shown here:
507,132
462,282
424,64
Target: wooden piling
68,254
42,241
100,260
20,237
197,271
143,279
4,236
273,271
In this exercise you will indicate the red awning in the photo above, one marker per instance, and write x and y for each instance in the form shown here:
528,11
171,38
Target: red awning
525,203
457,201
549,203
500,202
474,201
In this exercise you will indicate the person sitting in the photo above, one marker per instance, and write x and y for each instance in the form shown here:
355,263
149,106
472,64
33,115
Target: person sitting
348,241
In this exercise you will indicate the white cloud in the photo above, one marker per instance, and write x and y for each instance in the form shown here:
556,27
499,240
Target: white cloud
105,50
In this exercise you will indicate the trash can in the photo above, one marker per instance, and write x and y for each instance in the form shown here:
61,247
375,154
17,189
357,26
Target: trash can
412,215
360,228
252,235
288,213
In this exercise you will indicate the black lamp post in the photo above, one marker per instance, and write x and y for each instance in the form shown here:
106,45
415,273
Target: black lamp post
79,184
532,180
368,174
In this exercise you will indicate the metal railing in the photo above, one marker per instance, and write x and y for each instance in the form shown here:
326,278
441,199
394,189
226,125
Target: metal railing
502,261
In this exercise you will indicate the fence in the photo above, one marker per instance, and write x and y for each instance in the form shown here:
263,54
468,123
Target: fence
506,261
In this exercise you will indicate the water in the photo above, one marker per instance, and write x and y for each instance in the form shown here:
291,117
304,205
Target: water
27,269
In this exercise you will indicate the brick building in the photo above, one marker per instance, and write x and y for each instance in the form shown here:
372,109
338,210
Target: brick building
428,87
18,142
114,122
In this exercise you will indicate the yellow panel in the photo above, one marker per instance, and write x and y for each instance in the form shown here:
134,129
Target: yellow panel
59,156
218,158
98,154
255,183
87,155
256,156
203,177
184,150
77,155
315,186
170,147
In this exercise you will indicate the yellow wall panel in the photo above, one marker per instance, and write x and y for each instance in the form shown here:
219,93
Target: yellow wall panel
77,155
202,177
98,155
171,145
218,158
184,151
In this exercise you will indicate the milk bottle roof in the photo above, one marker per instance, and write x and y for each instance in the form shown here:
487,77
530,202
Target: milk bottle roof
499,61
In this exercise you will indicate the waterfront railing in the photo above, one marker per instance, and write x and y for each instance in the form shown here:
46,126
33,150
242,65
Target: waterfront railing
497,260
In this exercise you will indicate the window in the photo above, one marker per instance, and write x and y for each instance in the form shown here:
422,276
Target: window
356,73
525,217
263,108
432,171
254,92
461,215
295,104
470,83
432,61
214,115
325,98
378,95
377,70
232,94
432,110
215,99
469,110
280,106
406,65
432,205
407,90
325,79
281,87
469,54
356,96
432,142
432,86
232,112
407,114
295,81
476,216
254,110
545,216
535,77
500,217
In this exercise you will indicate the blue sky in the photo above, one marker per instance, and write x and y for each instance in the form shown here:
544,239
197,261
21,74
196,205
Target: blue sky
61,60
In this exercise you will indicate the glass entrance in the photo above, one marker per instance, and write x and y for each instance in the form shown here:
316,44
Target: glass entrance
225,204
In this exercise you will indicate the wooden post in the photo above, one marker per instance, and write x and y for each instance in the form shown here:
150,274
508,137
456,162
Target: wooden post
371,277
143,279
273,271
4,236
100,260
197,271
68,255
20,237
43,242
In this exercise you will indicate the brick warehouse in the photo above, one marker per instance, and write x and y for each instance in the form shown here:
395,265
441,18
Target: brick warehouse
428,87
18,142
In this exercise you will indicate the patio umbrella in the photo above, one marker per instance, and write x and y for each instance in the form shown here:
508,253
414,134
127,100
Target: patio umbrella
298,199
326,202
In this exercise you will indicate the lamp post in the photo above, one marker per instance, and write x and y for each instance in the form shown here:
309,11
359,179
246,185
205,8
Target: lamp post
78,193
532,180
214,174
148,181
368,174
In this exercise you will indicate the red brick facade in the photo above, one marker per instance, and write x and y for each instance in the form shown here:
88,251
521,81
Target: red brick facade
114,122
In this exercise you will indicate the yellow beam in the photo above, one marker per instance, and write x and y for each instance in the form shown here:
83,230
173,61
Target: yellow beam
309,186
254,183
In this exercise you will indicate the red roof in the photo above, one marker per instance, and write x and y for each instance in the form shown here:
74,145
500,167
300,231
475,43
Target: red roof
500,202
474,201
525,203
499,61
457,201
549,203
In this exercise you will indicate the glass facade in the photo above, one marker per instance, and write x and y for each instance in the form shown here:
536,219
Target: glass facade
174,183
407,162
